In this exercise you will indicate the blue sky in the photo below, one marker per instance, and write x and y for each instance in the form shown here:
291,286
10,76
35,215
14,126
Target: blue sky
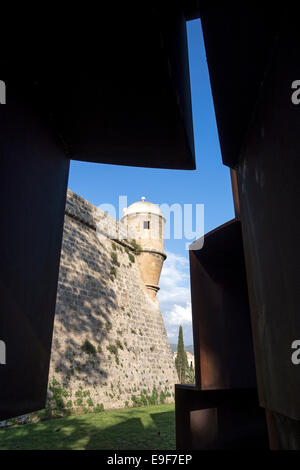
209,184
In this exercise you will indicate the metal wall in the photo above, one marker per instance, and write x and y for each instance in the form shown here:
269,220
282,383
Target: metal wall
253,61
268,180
34,174
221,319
221,410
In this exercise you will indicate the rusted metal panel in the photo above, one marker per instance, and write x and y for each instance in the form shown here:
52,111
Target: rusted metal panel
268,178
119,93
219,419
284,432
235,192
224,356
239,40
34,174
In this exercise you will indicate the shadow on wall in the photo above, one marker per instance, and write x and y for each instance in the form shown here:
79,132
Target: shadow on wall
85,303
95,432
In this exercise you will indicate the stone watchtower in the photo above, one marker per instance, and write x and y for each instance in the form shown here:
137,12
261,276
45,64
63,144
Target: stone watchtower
147,222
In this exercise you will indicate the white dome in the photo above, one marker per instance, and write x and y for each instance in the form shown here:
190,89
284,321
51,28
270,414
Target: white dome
140,207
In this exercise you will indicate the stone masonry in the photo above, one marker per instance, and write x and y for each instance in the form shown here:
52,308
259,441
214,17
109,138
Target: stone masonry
109,345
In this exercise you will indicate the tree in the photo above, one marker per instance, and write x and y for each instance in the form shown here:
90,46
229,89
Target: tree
190,376
181,359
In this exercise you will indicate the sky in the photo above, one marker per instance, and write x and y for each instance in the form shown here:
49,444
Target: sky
209,185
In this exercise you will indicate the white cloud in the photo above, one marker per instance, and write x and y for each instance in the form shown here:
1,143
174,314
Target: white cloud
179,315
169,295
174,297
175,272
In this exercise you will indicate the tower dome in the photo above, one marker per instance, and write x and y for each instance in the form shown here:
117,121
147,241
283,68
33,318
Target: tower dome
142,206
147,222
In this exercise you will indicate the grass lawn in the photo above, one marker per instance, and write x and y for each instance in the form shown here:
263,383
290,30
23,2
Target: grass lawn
151,427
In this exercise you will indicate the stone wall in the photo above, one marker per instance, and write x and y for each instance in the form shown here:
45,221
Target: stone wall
109,345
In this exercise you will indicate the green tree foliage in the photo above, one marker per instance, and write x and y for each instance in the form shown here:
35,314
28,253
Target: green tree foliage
190,375
181,359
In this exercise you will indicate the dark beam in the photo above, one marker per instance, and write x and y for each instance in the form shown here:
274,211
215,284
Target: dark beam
34,175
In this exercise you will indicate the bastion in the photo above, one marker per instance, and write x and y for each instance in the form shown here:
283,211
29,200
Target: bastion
110,345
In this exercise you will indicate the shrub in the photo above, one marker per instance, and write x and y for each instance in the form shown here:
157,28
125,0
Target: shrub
136,401
112,348
99,408
89,402
57,395
114,258
162,397
113,273
144,399
45,414
131,258
137,248
88,348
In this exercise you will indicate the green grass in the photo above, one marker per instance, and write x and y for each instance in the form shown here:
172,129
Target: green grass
151,427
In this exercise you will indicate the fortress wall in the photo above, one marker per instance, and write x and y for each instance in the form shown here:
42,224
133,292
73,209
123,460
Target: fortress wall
109,339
